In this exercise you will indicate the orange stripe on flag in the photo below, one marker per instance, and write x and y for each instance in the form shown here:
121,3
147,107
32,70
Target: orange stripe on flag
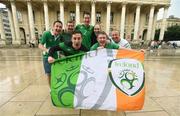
126,53
125,102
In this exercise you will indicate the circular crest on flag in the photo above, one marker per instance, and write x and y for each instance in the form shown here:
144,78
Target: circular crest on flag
127,75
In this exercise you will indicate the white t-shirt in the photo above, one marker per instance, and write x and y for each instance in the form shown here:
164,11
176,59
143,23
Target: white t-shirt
123,43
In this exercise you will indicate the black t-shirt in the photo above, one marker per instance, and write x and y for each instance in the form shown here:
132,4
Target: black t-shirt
66,49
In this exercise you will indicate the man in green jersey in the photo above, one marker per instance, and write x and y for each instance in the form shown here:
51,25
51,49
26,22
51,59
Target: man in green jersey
49,39
86,29
66,35
70,48
103,42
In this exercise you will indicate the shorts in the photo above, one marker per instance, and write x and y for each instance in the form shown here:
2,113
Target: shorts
47,67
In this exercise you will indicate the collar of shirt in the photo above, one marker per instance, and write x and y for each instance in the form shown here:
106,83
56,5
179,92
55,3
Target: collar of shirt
55,36
87,26
116,42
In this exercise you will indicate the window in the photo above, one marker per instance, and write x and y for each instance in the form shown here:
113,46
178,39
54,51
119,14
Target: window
98,17
112,17
5,20
19,16
147,19
72,15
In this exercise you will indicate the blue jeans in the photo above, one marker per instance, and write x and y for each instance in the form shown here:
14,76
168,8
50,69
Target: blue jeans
47,66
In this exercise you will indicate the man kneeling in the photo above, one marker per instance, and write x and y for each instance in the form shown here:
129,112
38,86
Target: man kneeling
69,48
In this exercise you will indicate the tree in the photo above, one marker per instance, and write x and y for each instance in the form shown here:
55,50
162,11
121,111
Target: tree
172,33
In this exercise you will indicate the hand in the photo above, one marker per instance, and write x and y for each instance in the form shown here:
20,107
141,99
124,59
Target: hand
100,47
51,59
142,50
47,50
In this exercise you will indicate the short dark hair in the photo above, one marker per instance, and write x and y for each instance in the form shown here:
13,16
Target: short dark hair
76,32
57,22
70,22
101,33
86,13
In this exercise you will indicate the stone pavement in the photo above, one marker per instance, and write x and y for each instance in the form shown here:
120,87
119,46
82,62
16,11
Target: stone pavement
24,90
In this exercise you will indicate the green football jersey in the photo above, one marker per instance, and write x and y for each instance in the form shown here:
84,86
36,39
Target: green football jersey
108,46
49,40
86,34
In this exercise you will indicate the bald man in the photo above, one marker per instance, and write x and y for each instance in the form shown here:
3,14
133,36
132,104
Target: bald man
120,41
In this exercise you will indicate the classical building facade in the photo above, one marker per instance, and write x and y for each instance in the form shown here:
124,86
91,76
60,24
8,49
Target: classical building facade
170,21
135,19
5,31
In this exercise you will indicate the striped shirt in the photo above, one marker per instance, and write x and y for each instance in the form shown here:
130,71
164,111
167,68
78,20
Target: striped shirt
123,43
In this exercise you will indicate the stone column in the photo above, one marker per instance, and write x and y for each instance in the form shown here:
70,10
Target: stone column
150,23
16,24
61,5
93,13
154,25
77,12
136,25
108,17
123,16
31,21
163,25
11,25
46,15
2,32
40,25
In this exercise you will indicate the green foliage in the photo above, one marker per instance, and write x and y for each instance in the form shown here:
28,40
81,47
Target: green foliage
172,33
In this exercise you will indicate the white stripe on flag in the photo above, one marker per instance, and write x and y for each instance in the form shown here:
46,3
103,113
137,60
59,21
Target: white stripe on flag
91,91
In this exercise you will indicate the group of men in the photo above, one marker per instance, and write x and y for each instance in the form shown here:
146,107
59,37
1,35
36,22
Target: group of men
73,40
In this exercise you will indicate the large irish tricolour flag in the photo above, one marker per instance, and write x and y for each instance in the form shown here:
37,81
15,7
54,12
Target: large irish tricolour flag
104,79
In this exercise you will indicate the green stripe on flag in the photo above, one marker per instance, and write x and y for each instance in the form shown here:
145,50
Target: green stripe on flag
64,77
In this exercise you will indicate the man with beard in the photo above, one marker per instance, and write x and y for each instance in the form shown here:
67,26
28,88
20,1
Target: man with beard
66,35
103,42
86,29
49,39
70,48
